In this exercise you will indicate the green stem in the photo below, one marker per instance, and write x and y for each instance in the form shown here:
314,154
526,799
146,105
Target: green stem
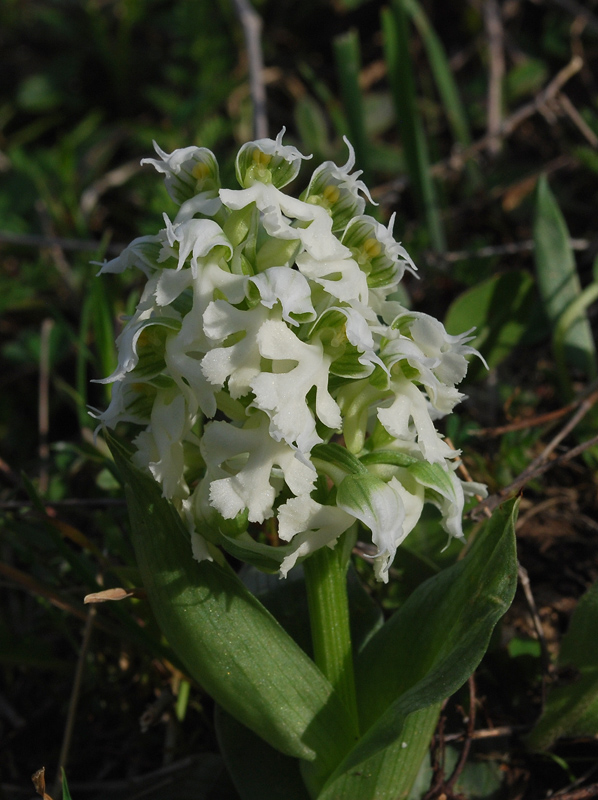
326,581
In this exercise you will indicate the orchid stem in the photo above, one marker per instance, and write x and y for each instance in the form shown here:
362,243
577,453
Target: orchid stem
326,581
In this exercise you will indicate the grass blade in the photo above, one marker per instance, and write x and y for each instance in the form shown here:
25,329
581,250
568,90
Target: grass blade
443,77
400,74
559,287
348,65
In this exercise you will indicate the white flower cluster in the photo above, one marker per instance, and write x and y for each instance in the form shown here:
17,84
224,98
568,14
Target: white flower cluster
264,334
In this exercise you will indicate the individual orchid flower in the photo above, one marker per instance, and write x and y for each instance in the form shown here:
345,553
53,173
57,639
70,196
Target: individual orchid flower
268,161
338,190
283,394
189,171
381,258
250,454
162,443
143,253
409,412
309,525
340,278
289,288
379,506
239,360
195,238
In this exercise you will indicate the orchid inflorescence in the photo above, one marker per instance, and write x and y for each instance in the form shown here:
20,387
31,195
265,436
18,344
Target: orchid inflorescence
272,372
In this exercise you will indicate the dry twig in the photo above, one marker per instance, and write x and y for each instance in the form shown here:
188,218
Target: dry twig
458,159
252,29
495,36
74,699
542,463
43,413
33,240
450,783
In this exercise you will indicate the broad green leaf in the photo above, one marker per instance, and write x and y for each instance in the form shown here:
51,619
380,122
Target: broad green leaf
411,129
390,773
501,309
558,281
572,706
226,638
431,645
257,770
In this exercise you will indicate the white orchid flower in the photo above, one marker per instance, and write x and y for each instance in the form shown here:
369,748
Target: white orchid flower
289,288
409,408
188,171
336,190
268,161
276,314
374,248
251,454
283,394
143,253
195,238
309,525
240,361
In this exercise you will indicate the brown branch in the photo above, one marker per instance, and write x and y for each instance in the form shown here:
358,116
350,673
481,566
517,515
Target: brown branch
533,609
43,413
74,698
38,589
541,464
487,733
495,37
457,160
576,118
589,393
115,177
579,10
495,500
34,240
490,251
459,767
580,794
252,29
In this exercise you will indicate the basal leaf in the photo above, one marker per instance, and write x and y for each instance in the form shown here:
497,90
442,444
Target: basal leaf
390,773
226,638
428,649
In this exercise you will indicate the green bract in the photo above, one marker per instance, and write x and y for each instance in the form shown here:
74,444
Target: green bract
264,332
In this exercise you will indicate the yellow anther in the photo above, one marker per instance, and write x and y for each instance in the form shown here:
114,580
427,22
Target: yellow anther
143,389
331,193
148,338
260,158
340,337
200,171
371,247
